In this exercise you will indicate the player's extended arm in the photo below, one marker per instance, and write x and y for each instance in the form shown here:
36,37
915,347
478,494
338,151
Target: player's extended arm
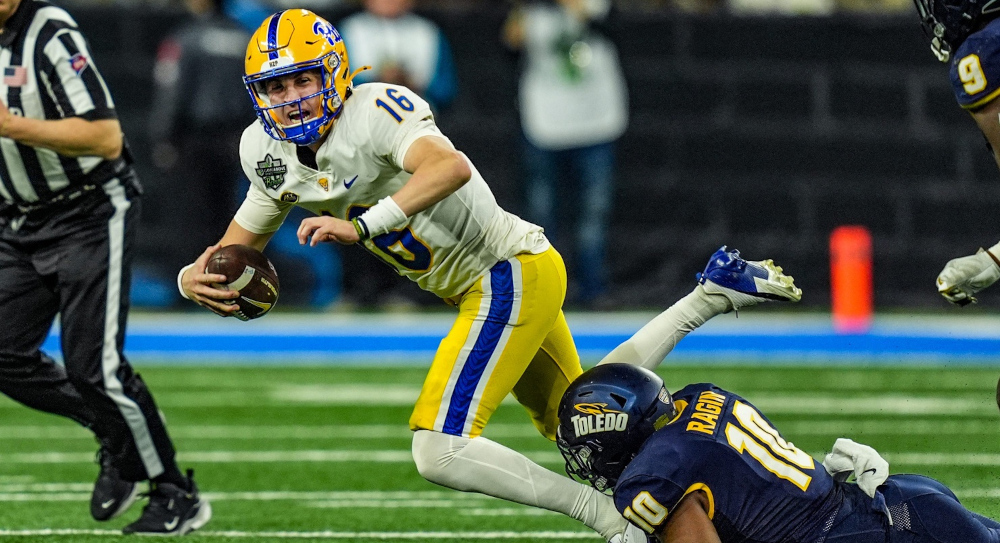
197,285
962,277
689,523
438,170
72,136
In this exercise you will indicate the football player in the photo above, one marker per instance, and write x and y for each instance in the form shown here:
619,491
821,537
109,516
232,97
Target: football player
703,465
372,165
966,34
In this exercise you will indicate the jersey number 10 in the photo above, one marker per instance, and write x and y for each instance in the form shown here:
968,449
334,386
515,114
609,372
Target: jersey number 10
769,449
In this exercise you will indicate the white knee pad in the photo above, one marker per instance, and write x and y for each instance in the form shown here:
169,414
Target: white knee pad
433,452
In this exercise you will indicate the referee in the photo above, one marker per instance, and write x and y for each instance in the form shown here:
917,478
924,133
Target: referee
69,208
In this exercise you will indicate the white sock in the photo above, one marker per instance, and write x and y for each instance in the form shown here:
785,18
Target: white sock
654,341
484,466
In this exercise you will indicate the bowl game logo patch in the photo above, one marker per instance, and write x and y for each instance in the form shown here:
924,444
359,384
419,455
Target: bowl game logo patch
271,171
78,63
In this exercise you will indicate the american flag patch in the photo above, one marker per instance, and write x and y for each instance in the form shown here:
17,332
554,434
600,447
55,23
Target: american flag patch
78,62
15,76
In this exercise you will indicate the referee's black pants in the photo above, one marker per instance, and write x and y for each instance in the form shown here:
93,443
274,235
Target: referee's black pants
74,259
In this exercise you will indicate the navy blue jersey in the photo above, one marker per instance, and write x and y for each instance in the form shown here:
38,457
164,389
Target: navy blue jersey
761,488
975,67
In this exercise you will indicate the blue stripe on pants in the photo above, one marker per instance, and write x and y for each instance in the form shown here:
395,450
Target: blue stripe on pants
501,305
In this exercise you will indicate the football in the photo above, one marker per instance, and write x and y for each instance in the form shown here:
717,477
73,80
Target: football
252,274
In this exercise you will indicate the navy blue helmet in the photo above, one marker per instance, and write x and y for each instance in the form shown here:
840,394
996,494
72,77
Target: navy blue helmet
605,416
949,22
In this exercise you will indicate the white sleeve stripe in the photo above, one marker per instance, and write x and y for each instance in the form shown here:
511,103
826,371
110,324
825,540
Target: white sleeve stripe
74,89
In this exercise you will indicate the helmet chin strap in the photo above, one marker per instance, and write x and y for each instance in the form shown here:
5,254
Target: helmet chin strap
940,50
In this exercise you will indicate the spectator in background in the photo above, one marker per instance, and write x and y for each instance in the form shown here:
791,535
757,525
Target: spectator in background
403,49
198,115
574,106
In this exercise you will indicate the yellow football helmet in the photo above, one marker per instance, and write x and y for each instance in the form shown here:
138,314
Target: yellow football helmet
293,41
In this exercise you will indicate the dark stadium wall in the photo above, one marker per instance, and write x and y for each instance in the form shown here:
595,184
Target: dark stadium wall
762,133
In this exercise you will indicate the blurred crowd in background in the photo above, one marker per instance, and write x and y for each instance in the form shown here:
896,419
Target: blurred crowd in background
790,7
568,153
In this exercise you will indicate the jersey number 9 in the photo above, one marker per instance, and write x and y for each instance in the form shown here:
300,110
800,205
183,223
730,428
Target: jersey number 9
970,71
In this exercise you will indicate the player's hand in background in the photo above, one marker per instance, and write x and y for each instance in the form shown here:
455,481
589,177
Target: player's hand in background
965,276
314,230
200,287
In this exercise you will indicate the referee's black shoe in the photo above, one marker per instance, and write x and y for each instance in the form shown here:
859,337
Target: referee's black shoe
172,510
112,495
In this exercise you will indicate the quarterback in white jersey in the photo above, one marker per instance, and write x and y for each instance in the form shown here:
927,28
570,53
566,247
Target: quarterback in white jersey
374,168
444,249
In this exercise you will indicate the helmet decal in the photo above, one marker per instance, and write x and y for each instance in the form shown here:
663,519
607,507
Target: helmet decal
326,30
605,422
594,408
272,35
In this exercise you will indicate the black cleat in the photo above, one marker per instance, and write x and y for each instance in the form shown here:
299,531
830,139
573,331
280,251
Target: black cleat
112,495
172,511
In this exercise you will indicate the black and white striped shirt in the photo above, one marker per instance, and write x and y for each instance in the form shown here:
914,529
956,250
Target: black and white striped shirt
48,73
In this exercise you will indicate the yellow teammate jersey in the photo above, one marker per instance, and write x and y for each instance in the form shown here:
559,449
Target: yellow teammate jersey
444,248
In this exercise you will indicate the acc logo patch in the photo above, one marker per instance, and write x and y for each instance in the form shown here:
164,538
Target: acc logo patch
271,171
78,63
598,418
289,197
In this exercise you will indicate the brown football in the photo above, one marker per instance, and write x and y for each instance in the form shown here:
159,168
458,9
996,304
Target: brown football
252,274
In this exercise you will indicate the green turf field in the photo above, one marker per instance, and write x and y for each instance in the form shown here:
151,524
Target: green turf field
320,454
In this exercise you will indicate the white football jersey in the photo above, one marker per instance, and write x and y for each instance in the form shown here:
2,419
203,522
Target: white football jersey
444,248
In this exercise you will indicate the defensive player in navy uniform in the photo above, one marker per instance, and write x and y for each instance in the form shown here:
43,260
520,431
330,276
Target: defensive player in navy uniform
371,164
704,465
966,35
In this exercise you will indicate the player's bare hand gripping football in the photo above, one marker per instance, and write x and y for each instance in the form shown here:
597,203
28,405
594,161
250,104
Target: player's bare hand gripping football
199,286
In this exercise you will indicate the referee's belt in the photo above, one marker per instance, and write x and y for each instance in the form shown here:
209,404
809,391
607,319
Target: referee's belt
62,197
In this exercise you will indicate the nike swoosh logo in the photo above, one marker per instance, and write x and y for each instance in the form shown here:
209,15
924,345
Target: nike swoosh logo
873,470
347,184
107,504
172,524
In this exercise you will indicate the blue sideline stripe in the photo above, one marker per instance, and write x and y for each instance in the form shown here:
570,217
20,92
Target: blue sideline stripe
501,305
193,338
373,344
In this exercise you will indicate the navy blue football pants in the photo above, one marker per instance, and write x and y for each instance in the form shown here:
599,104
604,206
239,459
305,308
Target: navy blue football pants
74,260
923,511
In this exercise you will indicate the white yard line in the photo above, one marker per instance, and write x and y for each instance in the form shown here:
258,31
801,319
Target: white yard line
375,394
791,429
56,492
404,456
